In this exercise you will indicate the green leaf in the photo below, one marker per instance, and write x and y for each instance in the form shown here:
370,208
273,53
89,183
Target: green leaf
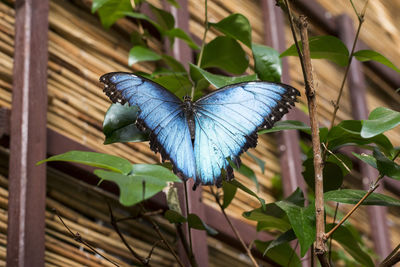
333,175
174,64
366,158
236,26
164,18
272,223
283,238
220,81
225,53
180,85
196,223
249,173
229,193
348,132
248,191
97,4
367,55
259,161
272,218
350,196
142,16
119,125
100,160
283,254
140,53
260,214
346,239
174,3
200,82
112,10
268,64
302,220
174,217
324,47
179,33
142,183
287,125
386,166
342,161
380,120
297,197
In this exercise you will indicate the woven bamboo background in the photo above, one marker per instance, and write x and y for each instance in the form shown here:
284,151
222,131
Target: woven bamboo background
80,50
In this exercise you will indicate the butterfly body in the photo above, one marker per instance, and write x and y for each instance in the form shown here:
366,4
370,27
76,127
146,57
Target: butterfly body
199,137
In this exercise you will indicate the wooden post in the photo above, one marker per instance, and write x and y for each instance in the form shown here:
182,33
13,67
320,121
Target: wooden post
27,182
288,141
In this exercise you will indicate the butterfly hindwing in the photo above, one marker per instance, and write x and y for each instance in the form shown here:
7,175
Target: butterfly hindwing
161,112
227,121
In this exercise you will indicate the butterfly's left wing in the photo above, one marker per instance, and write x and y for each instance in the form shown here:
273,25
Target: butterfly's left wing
227,120
161,112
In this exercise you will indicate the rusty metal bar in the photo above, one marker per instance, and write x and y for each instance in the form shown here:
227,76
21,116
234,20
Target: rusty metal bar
357,86
27,182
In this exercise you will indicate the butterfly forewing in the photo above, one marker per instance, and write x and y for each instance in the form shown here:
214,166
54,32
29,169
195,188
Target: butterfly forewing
161,112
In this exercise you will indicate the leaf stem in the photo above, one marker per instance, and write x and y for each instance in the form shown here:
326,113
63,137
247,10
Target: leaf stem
78,238
114,224
360,22
330,240
187,215
157,229
392,258
370,191
235,231
203,42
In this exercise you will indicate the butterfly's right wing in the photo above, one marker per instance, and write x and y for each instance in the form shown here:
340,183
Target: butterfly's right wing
161,112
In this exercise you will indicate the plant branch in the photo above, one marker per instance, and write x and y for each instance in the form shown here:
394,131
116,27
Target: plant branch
346,72
162,237
373,187
316,144
370,191
235,231
392,258
182,237
203,42
187,215
330,240
78,238
305,61
116,228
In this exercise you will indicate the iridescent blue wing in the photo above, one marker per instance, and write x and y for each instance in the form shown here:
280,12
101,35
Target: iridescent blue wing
161,112
227,120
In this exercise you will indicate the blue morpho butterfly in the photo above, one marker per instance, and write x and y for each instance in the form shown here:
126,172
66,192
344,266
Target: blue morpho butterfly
199,137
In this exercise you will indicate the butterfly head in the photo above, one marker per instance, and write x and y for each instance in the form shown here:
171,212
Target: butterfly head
188,104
